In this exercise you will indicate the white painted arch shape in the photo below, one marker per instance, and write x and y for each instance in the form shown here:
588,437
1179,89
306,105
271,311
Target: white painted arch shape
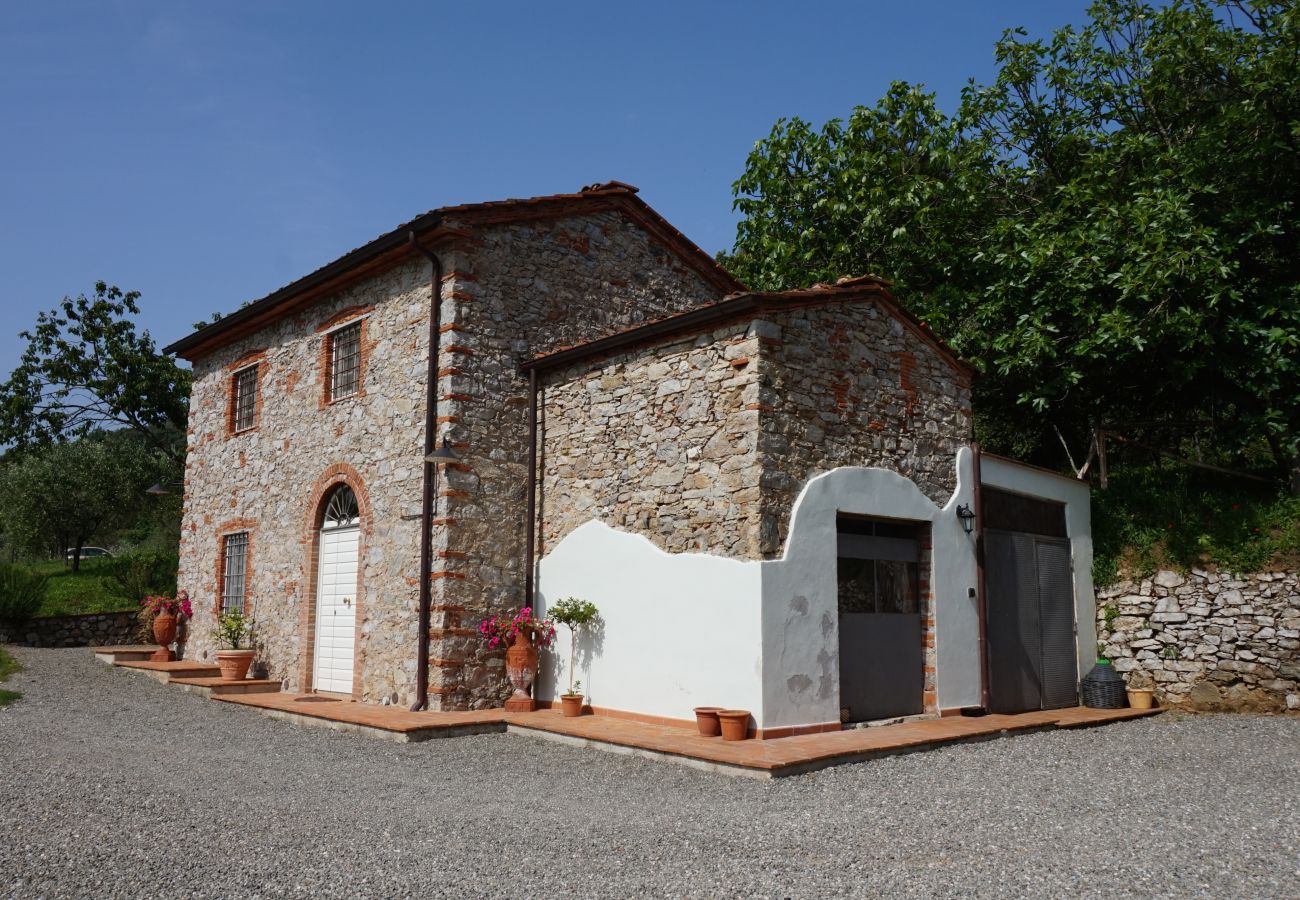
334,652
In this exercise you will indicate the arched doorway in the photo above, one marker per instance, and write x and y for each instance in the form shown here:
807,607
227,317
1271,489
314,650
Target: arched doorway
336,592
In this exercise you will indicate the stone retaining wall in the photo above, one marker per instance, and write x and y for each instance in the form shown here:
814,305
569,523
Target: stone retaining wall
1208,640
94,630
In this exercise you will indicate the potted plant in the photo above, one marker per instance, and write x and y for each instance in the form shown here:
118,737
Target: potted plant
522,634
706,720
162,615
571,703
734,723
234,635
1141,691
576,614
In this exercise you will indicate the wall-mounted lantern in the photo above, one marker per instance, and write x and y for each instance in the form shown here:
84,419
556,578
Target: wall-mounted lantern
444,454
967,517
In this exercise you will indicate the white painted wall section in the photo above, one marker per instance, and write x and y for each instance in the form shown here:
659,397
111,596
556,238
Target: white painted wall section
686,630
800,593
677,630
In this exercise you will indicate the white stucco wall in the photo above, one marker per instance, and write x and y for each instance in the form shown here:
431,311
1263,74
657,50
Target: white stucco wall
1008,475
677,630
686,630
801,672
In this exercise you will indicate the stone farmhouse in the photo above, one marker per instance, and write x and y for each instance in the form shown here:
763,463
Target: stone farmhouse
773,498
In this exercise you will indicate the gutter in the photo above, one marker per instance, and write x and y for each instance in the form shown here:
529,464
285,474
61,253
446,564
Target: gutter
981,601
430,476
531,551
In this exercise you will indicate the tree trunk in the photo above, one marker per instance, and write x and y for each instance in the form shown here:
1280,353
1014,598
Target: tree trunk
76,556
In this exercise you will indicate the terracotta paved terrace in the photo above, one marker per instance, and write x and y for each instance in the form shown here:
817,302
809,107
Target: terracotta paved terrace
770,758
807,752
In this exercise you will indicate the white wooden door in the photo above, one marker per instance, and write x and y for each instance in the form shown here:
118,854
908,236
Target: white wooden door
336,615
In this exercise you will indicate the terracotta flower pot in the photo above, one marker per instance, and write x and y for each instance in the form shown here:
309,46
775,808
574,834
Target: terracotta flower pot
571,705
735,724
1141,698
164,633
234,664
521,669
706,720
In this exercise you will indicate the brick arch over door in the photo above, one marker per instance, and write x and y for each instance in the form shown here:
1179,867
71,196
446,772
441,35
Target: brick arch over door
332,477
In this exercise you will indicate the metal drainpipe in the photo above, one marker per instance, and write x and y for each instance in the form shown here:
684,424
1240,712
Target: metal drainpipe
430,476
532,488
981,602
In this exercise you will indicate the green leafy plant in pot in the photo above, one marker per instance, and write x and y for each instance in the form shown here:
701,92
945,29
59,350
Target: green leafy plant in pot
577,614
234,635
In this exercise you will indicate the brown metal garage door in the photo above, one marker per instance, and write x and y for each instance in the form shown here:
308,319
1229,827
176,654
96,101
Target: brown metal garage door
1029,587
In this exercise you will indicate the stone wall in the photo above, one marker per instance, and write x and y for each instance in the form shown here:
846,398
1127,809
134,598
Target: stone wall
520,289
93,630
270,480
850,385
658,441
1207,640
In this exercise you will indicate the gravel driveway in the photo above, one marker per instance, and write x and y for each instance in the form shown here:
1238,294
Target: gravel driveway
112,785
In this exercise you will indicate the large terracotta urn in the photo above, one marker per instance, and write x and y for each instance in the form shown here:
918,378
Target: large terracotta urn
521,669
164,632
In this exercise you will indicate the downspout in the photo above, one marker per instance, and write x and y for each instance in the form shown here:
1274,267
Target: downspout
981,602
430,477
531,550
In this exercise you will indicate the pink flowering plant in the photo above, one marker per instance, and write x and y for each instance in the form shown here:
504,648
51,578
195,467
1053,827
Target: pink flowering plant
167,605
501,629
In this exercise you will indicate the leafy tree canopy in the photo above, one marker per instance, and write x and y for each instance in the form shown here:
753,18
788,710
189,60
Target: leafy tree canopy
86,367
1109,229
61,496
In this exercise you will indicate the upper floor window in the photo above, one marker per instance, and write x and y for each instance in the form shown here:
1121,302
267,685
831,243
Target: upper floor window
234,571
244,405
345,361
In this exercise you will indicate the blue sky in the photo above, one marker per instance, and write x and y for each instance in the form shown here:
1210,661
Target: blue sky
207,153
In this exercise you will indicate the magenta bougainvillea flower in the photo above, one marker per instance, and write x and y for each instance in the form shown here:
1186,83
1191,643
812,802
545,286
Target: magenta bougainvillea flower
166,605
501,629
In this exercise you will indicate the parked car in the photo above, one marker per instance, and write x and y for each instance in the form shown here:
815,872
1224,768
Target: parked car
88,553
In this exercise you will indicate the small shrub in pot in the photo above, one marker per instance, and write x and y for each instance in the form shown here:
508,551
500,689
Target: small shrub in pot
234,635
577,614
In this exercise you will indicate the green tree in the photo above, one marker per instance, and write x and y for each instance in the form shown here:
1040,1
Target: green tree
86,367
1109,229
61,496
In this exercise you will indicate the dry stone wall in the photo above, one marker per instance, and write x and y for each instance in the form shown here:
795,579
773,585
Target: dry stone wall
515,291
659,441
850,385
269,481
91,630
1207,640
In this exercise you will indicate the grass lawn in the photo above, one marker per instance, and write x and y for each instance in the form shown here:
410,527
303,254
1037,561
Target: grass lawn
86,591
8,666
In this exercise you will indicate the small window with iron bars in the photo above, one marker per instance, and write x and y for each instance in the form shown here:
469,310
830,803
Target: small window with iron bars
245,405
345,361
234,569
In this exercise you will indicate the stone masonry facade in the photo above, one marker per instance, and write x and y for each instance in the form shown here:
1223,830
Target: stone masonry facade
853,385
702,442
270,481
1207,640
659,442
519,290
510,290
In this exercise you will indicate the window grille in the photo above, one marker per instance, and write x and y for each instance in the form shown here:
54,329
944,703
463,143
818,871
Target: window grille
879,566
341,511
234,567
245,398
345,361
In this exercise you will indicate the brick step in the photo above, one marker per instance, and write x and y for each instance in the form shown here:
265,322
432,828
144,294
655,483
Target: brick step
166,671
125,653
221,687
